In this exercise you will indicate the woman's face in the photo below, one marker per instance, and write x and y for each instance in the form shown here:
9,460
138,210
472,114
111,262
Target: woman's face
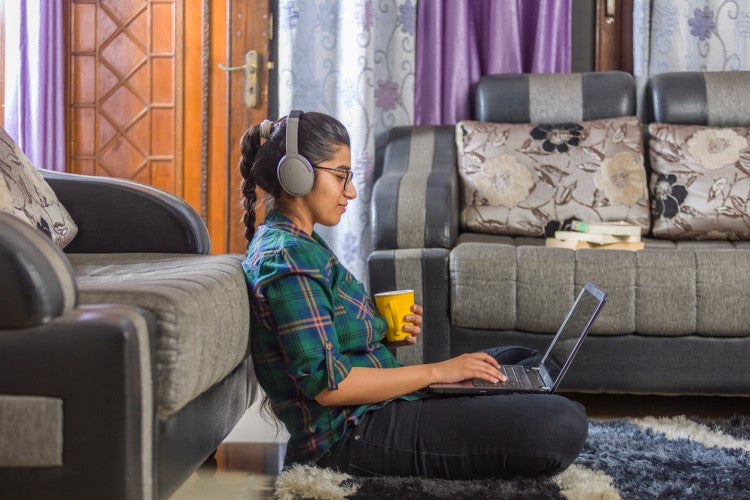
327,201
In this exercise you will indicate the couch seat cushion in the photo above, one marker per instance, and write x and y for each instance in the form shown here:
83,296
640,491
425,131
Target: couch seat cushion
667,289
202,306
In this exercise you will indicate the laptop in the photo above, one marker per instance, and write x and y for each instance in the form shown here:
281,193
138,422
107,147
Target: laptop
546,374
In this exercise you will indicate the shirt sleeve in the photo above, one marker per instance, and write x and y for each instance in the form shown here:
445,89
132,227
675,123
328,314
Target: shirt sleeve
299,305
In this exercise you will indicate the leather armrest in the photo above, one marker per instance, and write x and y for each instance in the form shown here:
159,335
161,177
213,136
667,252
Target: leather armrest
116,215
96,359
415,202
426,272
37,280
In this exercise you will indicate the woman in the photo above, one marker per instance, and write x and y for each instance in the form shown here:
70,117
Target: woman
317,342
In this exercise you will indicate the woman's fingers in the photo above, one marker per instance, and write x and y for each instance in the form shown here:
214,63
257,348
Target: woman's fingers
413,330
488,367
413,318
489,359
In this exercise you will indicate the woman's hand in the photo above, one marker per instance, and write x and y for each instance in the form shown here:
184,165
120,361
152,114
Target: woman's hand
474,365
414,329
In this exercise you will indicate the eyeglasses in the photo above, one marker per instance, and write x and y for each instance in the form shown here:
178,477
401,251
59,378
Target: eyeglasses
348,174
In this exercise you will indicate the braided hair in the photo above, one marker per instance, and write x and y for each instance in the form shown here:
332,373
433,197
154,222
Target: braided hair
319,135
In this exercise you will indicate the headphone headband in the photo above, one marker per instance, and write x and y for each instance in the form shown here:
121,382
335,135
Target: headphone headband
292,125
294,171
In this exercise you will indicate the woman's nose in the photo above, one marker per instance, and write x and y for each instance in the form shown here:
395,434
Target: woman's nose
351,191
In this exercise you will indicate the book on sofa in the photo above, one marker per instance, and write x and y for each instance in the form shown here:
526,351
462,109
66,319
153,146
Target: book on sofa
598,238
615,228
579,244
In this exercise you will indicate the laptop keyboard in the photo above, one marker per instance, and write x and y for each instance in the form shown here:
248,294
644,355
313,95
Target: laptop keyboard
516,378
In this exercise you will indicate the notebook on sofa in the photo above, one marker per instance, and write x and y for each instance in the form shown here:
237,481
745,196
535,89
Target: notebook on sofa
546,374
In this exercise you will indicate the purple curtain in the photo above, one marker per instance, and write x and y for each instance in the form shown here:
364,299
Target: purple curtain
35,80
459,41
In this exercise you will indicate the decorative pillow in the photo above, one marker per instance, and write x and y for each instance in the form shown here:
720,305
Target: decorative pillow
524,179
700,182
25,194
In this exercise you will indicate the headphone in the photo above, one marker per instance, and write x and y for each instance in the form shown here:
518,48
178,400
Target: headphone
294,171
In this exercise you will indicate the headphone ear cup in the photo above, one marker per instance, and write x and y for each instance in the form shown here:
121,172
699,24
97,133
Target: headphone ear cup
295,175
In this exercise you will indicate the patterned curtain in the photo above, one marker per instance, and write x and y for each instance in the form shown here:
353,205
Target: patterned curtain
689,35
352,59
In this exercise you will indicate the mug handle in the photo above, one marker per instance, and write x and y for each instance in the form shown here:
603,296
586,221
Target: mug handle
396,321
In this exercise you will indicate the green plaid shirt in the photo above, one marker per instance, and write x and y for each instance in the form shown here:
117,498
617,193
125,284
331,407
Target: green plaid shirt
312,322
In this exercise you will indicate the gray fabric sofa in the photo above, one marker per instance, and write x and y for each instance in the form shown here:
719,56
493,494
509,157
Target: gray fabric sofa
123,361
676,320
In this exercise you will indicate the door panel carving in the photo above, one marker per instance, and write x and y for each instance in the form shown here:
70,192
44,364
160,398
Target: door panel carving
146,100
123,103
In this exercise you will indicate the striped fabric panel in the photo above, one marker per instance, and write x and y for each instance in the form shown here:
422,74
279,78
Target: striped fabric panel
411,190
31,431
726,98
426,272
555,98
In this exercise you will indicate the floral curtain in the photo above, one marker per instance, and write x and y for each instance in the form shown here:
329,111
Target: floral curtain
352,59
689,35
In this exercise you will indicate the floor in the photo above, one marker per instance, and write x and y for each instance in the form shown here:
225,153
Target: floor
252,455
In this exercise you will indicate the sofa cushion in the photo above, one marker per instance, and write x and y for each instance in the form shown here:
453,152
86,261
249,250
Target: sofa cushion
700,182
667,289
518,178
202,307
25,194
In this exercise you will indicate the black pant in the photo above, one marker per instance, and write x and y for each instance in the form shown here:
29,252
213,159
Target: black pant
462,437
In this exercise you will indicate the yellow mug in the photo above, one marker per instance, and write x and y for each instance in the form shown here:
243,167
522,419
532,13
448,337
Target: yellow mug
394,307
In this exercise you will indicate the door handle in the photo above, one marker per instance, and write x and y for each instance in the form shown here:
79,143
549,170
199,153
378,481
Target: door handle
610,11
251,77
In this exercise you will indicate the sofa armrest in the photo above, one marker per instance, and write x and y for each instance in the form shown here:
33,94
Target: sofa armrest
415,201
426,272
95,363
116,215
38,281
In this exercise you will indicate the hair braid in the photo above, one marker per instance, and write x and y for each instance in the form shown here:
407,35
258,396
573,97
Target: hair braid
249,145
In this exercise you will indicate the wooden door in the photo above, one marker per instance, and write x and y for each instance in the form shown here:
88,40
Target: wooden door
614,35
148,102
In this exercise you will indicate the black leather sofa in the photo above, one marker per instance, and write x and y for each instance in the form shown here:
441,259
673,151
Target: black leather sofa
123,360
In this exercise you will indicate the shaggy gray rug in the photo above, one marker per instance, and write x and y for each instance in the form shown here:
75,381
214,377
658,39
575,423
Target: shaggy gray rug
675,457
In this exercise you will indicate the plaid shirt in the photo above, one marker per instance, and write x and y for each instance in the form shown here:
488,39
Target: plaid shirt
312,322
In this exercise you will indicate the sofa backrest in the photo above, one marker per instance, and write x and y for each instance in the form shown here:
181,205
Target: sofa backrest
717,99
416,200
698,143
554,98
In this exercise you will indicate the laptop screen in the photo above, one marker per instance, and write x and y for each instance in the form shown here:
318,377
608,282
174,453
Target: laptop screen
570,334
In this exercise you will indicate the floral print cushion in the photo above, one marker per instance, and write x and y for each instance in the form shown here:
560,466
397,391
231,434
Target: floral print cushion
700,182
527,180
25,194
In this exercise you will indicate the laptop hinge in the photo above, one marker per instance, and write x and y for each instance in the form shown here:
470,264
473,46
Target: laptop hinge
542,384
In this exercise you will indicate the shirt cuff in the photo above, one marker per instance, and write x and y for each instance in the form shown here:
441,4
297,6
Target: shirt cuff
333,371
